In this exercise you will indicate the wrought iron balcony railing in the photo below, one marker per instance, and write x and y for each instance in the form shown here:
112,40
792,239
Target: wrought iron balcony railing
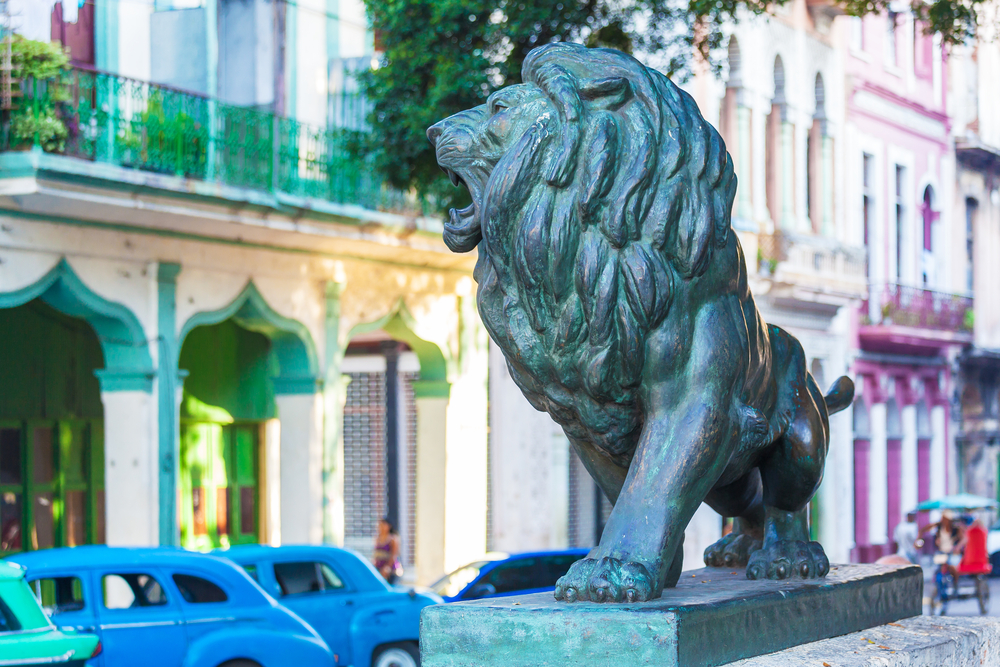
121,121
916,307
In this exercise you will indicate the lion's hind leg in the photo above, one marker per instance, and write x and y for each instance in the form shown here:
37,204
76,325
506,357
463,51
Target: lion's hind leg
791,473
742,500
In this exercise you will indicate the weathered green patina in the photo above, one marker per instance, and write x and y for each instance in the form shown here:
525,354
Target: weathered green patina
712,617
610,278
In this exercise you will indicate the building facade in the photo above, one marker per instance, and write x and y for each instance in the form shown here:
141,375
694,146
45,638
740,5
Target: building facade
219,327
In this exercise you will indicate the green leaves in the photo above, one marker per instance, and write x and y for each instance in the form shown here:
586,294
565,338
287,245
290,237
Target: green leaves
443,56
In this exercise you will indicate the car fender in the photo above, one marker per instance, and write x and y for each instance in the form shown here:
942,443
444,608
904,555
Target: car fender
270,648
389,621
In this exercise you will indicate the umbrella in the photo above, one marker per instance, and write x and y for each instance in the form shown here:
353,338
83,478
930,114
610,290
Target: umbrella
959,501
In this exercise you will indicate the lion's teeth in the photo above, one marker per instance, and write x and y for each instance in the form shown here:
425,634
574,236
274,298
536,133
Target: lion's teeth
453,176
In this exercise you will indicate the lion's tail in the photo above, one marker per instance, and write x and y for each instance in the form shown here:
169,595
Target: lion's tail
841,395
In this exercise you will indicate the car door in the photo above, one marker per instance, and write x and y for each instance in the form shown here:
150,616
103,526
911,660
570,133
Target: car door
317,592
511,577
68,599
205,606
140,623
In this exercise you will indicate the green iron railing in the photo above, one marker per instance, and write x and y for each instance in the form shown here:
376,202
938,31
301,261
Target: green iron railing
116,120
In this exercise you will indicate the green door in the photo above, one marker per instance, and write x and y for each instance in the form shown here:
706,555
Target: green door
51,484
220,469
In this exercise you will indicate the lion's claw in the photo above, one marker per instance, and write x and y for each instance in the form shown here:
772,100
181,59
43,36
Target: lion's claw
572,586
614,580
789,559
733,550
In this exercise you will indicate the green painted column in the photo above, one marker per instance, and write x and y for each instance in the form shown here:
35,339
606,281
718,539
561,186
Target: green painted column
168,382
334,399
106,36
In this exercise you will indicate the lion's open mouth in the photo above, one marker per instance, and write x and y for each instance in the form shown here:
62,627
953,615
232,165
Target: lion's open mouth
462,232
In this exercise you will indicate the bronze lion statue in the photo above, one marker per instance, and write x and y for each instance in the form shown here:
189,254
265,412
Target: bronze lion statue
611,280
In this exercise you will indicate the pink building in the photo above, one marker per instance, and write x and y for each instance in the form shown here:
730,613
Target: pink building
917,317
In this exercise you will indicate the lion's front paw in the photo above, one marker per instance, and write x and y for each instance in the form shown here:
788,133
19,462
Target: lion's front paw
786,559
733,550
613,580
572,586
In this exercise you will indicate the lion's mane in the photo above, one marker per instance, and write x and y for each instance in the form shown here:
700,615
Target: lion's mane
589,223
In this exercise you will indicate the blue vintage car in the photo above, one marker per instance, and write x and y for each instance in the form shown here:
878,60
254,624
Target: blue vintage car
164,607
501,574
365,621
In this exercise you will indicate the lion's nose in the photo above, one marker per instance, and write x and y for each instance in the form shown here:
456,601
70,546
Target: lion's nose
434,132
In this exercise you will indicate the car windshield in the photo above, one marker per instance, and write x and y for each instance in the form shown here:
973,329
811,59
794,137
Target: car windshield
452,584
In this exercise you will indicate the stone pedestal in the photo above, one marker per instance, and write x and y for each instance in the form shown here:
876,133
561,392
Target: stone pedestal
712,617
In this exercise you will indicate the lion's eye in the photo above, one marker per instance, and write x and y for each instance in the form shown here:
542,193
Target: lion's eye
498,107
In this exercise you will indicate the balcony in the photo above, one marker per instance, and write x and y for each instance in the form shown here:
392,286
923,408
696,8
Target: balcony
922,319
155,129
822,266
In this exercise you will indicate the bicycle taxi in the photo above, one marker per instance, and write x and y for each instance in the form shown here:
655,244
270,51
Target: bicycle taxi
968,578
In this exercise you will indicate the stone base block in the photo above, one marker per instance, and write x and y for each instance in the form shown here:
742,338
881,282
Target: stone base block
921,641
713,616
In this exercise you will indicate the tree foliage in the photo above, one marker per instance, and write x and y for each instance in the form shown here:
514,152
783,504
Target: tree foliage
442,56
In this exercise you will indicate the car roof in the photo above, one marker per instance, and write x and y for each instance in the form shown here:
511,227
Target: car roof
99,555
9,571
535,554
361,572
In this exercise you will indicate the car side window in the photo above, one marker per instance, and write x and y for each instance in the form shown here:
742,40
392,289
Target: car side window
8,621
131,590
516,575
252,571
306,577
197,590
59,594
553,567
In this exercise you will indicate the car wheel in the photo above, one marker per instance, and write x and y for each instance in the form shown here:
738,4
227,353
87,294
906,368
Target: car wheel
404,654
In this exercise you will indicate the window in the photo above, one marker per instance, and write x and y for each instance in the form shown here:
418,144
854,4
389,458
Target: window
59,594
971,208
306,577
252,571
452,584
900,222
929,216
197,590
128,591
8,621
516,575
867,199
553,567
890,39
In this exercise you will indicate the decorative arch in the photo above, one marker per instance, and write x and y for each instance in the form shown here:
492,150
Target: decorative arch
128,365
400,325
291,342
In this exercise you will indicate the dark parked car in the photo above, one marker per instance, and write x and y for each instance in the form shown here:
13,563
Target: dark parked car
502,574
164,607
364,620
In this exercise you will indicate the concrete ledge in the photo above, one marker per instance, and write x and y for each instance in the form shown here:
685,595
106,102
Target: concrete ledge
713,617
922,641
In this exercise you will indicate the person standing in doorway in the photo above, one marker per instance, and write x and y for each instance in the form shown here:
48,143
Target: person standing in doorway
905,536
386,558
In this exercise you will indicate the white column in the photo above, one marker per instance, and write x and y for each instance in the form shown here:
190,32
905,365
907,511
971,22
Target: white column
878,488
526,482
301,451
789,221
703,531
939,464
758,124
131,473
465,471
432,419
744,207
271,486
908,467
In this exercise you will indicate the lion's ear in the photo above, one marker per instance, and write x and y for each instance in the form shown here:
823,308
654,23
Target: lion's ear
612,92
